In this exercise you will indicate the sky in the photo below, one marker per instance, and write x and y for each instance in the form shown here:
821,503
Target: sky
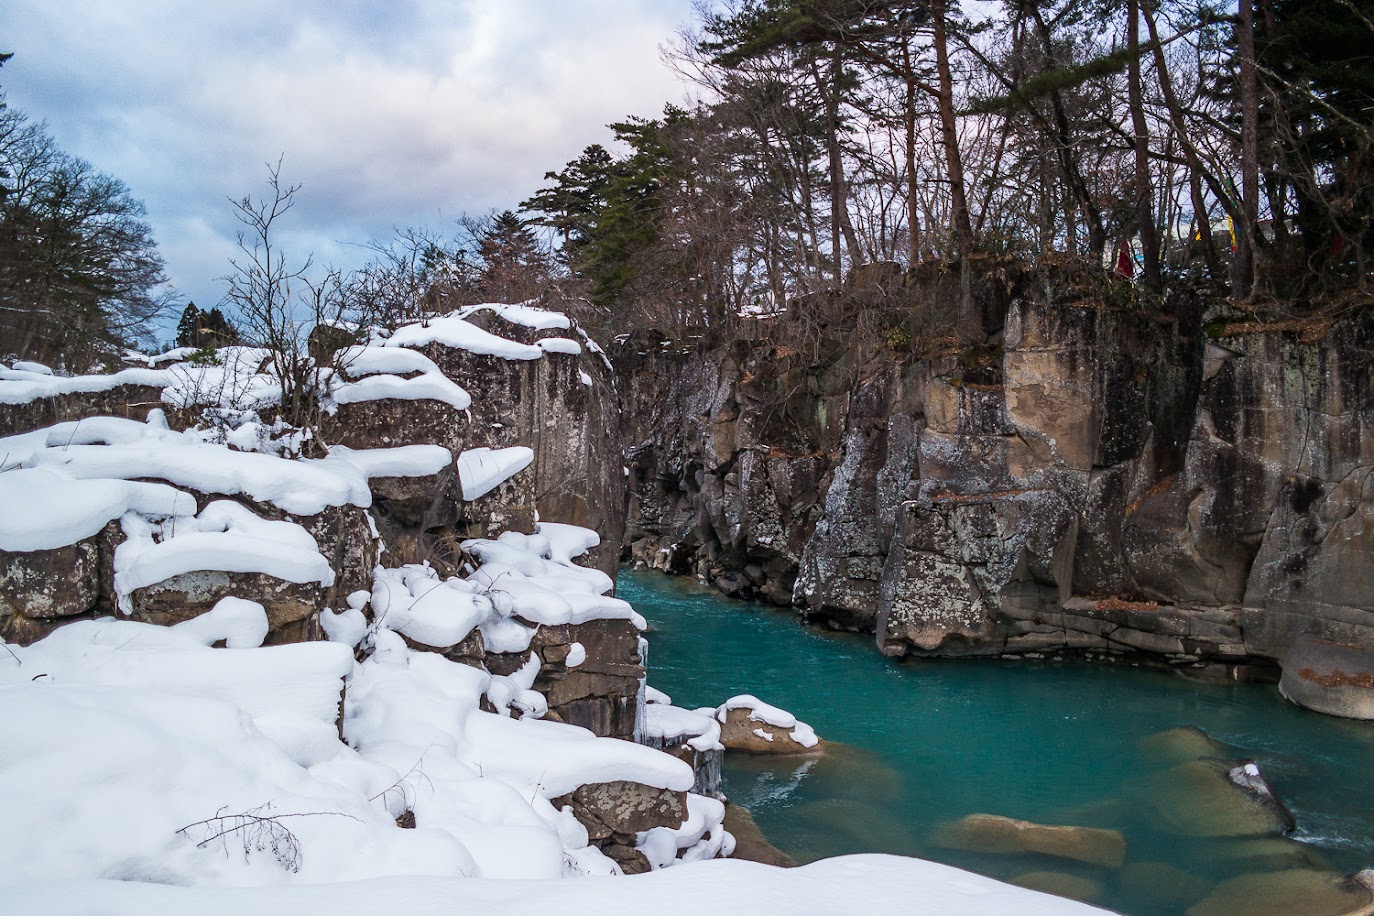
388,114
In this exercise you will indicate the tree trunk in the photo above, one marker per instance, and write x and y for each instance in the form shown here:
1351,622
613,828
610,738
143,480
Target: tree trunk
913,186
963,225
1243,268
1196,171
1144,209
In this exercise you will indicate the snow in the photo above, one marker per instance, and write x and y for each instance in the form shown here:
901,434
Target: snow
236,379
159,773
378,371
560,345
701,837
654,695
876,884
45,509
453,331
401,461
176,354
305,487
24,365
416,603
225,536
567,541
481,470
240,624
523,314
760,711
19,386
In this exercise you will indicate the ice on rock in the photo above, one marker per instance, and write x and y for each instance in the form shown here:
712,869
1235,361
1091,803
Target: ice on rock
481,470
674,725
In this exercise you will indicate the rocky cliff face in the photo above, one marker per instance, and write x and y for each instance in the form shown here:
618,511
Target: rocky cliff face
1110,481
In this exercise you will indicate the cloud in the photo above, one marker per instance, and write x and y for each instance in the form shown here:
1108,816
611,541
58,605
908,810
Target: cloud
408,113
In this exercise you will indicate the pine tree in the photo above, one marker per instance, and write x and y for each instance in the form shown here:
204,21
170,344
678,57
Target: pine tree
188,328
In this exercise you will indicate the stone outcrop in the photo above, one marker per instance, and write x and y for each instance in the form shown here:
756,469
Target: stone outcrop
1330,677
614,812
601,693
1099,478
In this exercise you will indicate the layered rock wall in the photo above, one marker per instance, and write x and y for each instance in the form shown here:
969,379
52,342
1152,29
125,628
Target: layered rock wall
1114,480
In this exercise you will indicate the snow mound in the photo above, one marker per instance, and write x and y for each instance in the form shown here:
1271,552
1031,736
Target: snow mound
46,509
523,314
19,385
481,470
453,331
378,373
225,536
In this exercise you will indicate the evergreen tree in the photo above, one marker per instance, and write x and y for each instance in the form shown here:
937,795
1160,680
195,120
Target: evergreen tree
188,328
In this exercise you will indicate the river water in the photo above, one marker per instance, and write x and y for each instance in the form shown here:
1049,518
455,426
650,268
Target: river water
921,744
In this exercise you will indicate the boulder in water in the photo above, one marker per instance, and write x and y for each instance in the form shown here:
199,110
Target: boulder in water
1213,798
996,834
749,724
1330,677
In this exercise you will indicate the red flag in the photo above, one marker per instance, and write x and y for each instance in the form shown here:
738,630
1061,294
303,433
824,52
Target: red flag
1124,267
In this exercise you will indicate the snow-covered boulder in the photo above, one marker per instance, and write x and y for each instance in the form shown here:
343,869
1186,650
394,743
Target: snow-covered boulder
749,724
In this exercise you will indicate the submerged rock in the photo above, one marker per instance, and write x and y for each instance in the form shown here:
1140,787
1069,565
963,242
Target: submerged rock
750,843
1284,893
1330,677
1162,884
1075,887
996,834
864,826
1187,742
1266,854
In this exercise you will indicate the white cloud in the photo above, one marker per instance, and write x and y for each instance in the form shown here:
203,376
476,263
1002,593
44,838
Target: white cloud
406,113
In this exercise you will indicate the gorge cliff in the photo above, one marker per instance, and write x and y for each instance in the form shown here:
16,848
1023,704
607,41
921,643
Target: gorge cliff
1174,482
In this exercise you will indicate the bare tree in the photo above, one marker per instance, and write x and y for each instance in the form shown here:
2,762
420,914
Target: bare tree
281,319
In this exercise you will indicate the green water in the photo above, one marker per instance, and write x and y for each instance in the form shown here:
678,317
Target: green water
925,743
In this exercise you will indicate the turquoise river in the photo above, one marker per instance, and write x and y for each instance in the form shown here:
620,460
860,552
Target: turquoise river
924,743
